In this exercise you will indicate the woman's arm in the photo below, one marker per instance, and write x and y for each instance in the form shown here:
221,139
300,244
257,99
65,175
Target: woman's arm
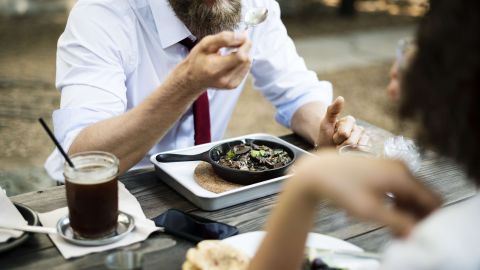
287,230
355,184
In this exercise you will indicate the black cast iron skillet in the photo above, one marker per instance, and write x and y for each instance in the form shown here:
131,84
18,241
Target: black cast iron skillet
233,175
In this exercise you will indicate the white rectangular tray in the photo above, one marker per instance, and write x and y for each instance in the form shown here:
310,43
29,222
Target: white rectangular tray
179,176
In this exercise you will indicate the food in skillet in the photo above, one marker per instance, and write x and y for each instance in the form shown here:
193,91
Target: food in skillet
252,157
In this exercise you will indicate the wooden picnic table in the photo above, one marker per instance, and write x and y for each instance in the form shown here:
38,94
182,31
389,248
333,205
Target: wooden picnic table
155,197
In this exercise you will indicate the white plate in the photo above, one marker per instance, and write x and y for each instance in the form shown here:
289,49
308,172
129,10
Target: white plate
249,243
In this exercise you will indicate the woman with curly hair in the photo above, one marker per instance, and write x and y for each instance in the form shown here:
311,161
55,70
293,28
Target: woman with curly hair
440,90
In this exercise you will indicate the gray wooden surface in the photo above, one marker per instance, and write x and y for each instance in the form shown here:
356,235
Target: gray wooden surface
155,198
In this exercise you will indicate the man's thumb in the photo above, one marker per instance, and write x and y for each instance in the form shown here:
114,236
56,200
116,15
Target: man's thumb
335,109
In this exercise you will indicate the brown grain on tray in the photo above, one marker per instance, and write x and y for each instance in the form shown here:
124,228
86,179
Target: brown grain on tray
207,179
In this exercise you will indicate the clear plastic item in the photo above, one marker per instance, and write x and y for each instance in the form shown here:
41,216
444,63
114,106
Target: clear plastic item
403,149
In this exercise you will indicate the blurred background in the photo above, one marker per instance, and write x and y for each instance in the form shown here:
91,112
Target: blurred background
348,42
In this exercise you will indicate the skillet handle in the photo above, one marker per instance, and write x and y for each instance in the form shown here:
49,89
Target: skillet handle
179,158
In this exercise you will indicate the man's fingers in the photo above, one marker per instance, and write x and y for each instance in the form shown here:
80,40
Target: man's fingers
213,43
334,110
355,136
244,49
365,139
241,56
344,128
228,63
235,76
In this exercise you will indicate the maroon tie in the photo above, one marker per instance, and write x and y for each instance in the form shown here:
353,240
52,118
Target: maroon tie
201,109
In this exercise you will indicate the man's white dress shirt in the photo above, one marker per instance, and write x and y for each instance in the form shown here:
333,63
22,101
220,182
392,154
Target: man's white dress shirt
114,53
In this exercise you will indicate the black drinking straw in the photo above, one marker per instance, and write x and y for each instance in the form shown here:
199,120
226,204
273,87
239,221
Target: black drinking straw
60,148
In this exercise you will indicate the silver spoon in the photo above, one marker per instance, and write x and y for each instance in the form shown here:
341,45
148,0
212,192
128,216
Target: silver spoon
253,17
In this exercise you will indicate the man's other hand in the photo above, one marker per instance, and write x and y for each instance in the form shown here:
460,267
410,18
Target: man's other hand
343,131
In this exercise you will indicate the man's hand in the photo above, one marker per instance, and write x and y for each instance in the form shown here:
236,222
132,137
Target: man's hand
359,185
205,68
342,131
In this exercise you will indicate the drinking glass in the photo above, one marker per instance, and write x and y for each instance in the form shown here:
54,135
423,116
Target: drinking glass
92,194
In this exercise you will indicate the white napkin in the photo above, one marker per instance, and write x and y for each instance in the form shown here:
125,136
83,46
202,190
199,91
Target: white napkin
10,216
127,203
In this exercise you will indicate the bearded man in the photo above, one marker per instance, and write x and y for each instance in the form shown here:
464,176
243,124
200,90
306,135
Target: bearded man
139,77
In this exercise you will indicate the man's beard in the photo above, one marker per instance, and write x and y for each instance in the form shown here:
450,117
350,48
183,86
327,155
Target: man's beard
207,17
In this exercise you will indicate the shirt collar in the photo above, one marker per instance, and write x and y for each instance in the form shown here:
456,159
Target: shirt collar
170,28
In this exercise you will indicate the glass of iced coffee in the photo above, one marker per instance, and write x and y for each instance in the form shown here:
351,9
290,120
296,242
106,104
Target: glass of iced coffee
92,194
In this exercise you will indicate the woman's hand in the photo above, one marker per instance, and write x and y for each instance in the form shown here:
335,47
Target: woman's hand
359,185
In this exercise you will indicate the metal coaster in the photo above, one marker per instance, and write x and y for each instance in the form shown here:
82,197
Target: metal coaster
31,217
125,225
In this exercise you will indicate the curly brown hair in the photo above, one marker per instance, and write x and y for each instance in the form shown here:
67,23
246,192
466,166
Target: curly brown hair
441,88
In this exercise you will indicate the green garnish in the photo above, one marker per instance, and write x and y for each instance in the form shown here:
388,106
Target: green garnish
230,154
255,153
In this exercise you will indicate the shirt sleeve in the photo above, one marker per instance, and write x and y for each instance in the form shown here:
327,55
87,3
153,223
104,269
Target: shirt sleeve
280,73
93,62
